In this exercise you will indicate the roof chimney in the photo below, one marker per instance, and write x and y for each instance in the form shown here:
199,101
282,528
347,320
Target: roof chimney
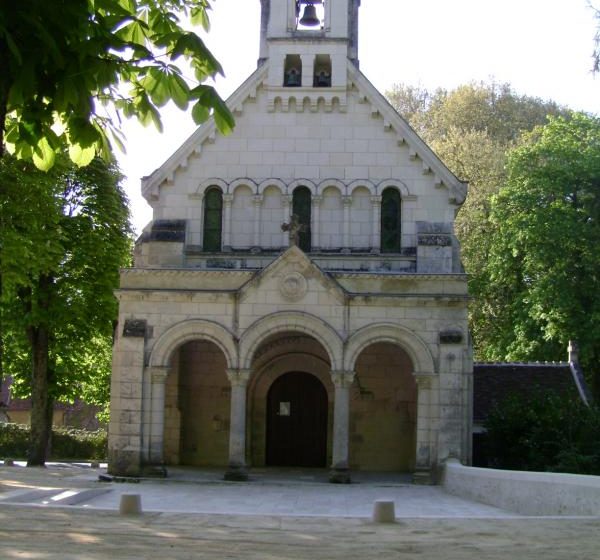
573,352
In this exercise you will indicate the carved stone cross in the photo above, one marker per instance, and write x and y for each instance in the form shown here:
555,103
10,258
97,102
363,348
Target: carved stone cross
294,229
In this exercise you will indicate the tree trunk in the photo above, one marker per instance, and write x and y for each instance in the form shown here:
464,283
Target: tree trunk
41,399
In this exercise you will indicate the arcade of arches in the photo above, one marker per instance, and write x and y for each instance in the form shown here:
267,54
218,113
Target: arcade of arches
290,406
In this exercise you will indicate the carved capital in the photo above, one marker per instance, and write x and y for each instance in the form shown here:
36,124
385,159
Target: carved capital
316,200
424,380
257,199
159,374
238,377
342,379
376,200
347,200
227,199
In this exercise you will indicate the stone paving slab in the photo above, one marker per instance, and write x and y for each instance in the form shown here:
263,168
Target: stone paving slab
457,529
281,493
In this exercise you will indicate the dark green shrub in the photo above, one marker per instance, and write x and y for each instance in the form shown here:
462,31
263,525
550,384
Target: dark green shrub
67,443
546,433
14,439
71,443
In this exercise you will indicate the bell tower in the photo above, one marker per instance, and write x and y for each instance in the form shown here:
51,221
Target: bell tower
308,42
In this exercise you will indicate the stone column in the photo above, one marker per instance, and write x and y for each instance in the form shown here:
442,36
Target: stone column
257,201
158,379
308,70
227,202
316,223
340,469
376,232
237,428
347,202
423,474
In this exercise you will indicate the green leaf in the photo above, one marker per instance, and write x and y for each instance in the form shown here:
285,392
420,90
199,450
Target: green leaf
12,46
178,90
81,156
200,113
199,16
156,84
44,155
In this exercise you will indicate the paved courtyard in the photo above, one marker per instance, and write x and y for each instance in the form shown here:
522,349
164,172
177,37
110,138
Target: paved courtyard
64,512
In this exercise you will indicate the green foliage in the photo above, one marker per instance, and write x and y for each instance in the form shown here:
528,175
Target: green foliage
69,71
472,129
544,262
67,443
546,433
69,226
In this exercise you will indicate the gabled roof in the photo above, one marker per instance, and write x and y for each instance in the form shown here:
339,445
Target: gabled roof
204,133
392,122
406,135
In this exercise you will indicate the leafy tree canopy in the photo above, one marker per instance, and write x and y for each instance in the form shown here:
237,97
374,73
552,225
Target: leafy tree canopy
472,128
64,235
70,69
544,262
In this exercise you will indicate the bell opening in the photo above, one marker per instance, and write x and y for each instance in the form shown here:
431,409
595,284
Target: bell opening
313,14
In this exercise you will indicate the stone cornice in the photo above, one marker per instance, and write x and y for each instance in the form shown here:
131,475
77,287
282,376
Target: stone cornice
183,272
406,276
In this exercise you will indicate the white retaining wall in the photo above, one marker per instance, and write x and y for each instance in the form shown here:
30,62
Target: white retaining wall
527,493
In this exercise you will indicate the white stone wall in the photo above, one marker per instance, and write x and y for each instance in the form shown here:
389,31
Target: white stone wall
334,155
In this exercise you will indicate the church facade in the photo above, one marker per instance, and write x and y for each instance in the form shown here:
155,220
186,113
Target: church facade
298,299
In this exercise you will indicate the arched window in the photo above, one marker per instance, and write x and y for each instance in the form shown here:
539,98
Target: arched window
301,206
322,75
292,72
213,212
391,221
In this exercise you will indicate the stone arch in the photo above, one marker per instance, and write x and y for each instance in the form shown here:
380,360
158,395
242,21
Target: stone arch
394,183
201,188
295,321
242,182
412,344
278,183
195,329
303,183
326,183
364,183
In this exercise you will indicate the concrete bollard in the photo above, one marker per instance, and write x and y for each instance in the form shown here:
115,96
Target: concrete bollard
131,504
384,511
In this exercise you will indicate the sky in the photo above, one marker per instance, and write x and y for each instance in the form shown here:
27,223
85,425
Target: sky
543,48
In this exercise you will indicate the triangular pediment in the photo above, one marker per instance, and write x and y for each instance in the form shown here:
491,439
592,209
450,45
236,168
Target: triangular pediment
293,278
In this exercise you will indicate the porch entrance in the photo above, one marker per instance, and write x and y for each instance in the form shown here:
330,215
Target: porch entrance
297,421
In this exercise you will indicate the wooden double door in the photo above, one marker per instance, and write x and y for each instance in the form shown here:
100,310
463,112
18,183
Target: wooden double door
297,421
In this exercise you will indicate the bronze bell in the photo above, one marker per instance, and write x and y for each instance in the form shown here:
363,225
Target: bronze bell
310,19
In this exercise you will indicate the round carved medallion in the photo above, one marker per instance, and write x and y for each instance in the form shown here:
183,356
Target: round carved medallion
293,286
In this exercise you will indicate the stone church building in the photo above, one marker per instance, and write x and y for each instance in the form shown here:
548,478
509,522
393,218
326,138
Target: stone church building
337,341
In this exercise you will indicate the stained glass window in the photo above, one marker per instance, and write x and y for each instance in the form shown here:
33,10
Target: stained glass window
301,206
213,217
391,221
